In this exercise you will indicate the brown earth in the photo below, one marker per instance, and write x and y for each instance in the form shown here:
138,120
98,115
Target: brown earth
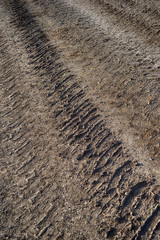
80,114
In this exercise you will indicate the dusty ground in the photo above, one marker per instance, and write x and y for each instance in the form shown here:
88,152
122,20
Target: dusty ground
80,119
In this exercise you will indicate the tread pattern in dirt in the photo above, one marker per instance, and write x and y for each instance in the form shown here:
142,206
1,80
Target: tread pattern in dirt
125,206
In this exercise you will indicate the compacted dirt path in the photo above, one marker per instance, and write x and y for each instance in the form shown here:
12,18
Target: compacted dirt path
80,114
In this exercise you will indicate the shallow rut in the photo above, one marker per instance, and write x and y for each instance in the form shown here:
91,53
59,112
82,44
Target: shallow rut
65,173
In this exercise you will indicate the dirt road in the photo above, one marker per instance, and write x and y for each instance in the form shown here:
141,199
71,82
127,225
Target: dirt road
80,119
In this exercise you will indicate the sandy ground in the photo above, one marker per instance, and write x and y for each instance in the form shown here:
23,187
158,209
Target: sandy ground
80,119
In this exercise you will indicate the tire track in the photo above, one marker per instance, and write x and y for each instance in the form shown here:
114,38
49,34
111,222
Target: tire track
79,154
143,16
124,69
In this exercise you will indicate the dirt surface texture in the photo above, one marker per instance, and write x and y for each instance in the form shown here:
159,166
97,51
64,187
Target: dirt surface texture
80,119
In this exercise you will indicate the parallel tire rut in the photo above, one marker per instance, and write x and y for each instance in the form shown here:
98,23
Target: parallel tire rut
65,173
